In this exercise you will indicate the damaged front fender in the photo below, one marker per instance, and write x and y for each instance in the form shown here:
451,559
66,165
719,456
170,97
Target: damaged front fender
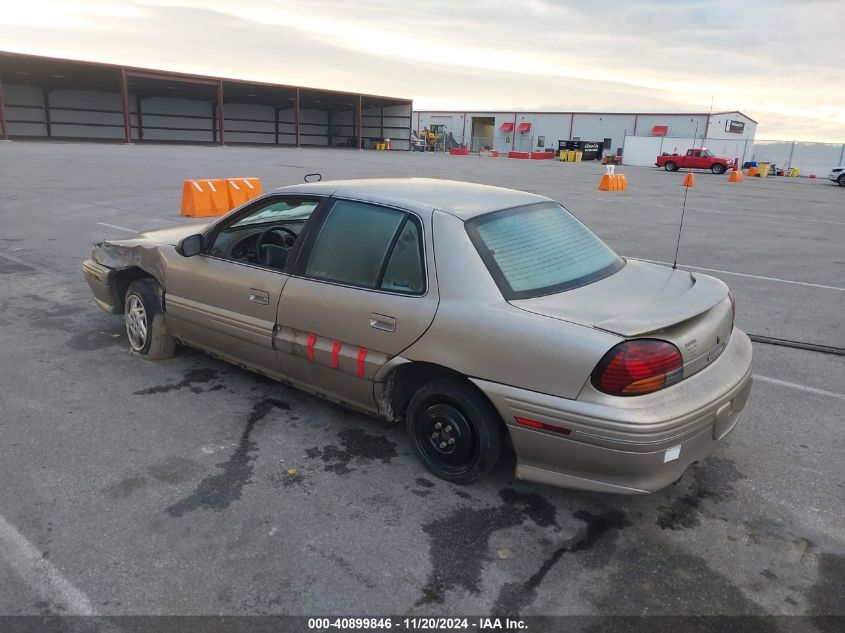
116,264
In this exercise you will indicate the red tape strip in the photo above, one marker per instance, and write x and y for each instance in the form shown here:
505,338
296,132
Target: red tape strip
309,350
362,356
335,353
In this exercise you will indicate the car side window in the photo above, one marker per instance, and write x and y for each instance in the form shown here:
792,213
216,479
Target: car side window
368,246
404,270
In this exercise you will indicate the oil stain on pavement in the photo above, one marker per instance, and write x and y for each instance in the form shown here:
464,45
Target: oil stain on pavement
459,542
217,492
514,597
712,480
357,444
190,381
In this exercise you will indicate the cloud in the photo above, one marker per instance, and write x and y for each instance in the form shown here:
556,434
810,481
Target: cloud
778,64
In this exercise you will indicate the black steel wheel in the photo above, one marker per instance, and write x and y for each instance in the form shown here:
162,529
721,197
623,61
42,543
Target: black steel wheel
670,166
718,168
454,430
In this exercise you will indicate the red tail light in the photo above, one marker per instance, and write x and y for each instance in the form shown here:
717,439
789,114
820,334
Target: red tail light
637,367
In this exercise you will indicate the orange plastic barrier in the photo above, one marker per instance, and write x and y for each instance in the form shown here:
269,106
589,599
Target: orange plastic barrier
459,151
689,180
542,155
518,154
753,171
613,182
736,176
242,189
203,198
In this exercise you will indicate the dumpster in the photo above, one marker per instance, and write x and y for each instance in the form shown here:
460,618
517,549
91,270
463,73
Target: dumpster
590,150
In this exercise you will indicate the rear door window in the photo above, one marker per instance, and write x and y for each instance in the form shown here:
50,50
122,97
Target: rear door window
368,246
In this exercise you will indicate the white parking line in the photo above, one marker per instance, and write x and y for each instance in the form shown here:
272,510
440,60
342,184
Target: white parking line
41,575
23,262
730,272
770,216
792,385
119,228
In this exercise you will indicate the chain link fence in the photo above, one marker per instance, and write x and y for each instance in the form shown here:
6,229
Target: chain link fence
807,157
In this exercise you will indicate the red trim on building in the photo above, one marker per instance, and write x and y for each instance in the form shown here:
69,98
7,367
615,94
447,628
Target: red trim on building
524,127
3,113
124,96
660,130
152,73
506,127
220,110
296,118
358,122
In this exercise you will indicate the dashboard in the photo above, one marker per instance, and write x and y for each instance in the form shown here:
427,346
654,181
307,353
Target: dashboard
239,244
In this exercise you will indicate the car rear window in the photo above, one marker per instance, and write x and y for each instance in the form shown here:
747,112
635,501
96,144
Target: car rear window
540,249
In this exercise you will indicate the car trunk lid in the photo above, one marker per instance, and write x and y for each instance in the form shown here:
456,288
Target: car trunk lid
642,299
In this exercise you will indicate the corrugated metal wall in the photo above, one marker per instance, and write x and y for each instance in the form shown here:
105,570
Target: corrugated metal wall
33,112
166,119
313,127
249,123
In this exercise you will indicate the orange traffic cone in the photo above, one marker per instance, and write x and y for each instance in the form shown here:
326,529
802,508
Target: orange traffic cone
736,176
689,180
753,171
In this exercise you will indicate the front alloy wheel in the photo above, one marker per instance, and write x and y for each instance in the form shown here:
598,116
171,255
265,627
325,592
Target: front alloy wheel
146,327
136,323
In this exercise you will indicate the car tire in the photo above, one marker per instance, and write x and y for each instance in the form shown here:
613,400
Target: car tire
146,328
468,440
670,166
718,168
841,180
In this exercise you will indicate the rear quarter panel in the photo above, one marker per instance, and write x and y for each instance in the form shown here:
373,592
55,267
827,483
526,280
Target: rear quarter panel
477,333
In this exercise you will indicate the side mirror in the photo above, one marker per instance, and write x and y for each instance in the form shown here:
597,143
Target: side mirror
190,246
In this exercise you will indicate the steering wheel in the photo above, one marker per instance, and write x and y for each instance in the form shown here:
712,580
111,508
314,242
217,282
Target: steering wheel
263,238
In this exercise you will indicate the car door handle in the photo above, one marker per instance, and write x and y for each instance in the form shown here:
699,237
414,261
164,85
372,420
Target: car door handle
383,322
259,296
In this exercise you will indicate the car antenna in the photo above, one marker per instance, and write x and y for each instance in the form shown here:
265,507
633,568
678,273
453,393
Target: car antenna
684,206
319,177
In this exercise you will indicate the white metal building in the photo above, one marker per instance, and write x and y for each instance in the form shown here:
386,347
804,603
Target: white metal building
531,131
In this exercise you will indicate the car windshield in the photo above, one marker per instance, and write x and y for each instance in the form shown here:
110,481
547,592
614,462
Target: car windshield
282,211
540,249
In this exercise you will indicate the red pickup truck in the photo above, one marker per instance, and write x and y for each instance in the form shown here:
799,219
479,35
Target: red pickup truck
695,159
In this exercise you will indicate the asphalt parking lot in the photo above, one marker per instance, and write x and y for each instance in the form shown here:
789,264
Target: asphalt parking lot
132,487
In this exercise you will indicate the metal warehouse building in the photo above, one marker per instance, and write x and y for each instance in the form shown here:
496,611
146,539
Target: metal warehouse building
43,97
532,131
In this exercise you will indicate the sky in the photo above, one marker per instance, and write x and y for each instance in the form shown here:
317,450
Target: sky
780,62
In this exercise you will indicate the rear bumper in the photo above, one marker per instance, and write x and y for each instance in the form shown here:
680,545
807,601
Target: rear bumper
627,445
101,280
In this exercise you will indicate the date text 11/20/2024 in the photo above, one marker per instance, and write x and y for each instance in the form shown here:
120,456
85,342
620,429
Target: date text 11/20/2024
417,624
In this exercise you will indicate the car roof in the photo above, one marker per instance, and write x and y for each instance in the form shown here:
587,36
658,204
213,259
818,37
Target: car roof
462,199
